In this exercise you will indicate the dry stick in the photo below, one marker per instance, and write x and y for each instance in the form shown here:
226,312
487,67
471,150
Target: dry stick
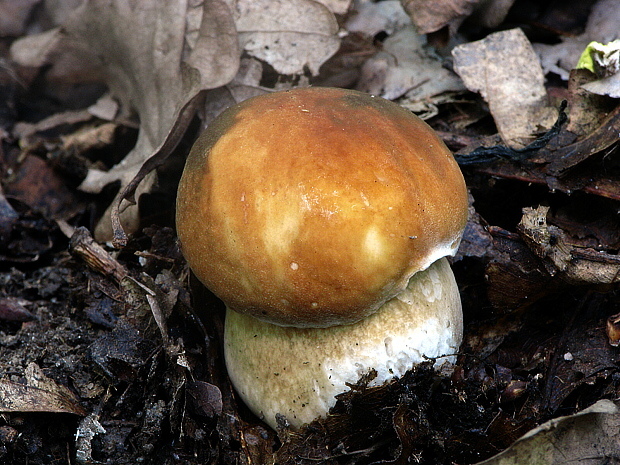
157,159
95,256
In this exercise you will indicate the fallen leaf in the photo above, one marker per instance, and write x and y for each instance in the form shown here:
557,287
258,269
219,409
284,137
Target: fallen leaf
491,13
38,394
599,140
371,18
121,352
588,436
38,185
245,84
476,242
431,15
89,138
205,398
604,60
339,7
106,108
154,69
13,309
514,274
586,110
405,67
504,69
25,130
609,86
290,35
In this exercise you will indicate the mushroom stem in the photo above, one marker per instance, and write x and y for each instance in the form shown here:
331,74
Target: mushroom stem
297,372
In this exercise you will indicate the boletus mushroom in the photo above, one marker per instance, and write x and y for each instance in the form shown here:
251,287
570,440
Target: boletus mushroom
321,218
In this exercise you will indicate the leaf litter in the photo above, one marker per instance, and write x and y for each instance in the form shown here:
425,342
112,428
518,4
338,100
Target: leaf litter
122,348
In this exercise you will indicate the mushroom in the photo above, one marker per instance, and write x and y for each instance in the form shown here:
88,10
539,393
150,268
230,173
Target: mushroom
321,218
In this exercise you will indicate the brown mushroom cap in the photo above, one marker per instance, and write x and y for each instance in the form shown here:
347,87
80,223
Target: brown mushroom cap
313,207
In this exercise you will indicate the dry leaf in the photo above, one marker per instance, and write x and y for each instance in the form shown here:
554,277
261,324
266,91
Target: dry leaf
586,110
504,69
406,67
432,15
154,69
370,18
25,130
477,241
245,84
589,436
338,7
290,35
89,138
13,309
106,108
38,394
606,86
491,13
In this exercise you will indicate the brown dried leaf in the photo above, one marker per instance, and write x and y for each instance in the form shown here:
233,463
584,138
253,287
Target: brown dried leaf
592,180
338,7
404,66
585,437
371,18
586,110
39,186
598,141
245,84
154,56
38,394
431,15
13,309
491,13
505,70
205,398
25,130
290,35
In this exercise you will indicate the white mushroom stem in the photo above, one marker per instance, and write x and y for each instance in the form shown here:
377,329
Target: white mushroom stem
297,372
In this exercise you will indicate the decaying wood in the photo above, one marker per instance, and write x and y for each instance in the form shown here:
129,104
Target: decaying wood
95,256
